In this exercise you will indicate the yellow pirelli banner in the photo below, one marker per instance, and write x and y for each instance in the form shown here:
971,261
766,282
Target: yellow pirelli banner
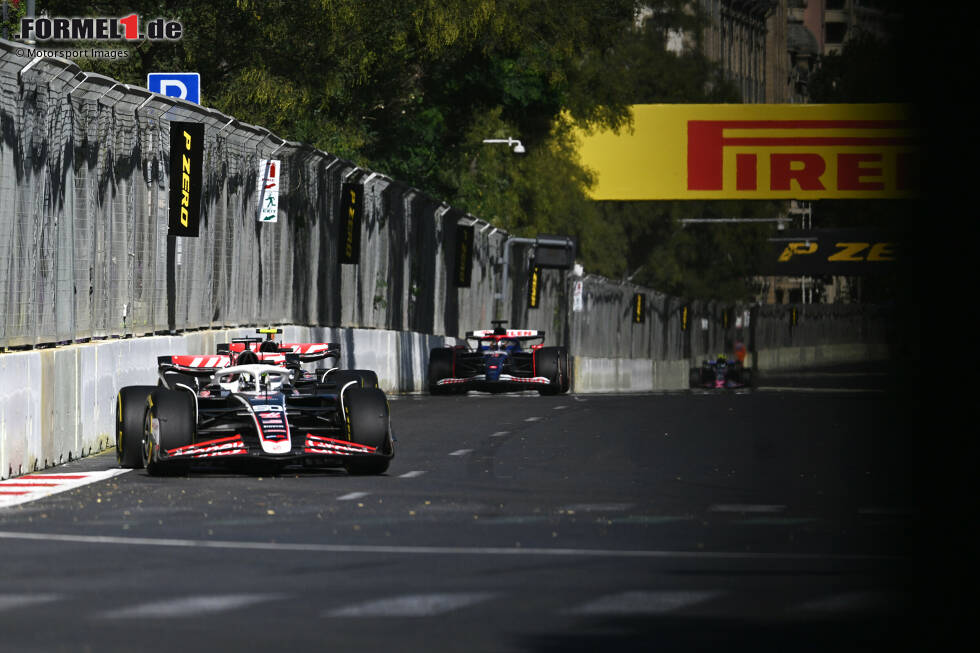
757,151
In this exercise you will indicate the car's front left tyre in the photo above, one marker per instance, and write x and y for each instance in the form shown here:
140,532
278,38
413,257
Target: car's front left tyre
367,417
552,364
130,410
170,423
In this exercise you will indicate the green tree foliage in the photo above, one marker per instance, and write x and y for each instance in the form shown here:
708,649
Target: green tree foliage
696,260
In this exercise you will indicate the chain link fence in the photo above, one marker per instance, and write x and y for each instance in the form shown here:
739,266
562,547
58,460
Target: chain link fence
84,165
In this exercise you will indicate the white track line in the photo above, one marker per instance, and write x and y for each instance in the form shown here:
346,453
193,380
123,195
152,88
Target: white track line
844,390
658,602
597,507
745,507
352,495
412,474
189,606
282,547
461,452
499,434
413,605
14,601
845,603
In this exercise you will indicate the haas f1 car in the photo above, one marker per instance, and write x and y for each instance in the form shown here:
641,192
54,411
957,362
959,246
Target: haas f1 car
721,373
498,362
252,404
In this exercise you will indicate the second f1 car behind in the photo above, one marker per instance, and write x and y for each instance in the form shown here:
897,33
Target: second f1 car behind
498,362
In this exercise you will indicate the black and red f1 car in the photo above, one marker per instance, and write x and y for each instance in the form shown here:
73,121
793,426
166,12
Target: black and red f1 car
245,408
497,362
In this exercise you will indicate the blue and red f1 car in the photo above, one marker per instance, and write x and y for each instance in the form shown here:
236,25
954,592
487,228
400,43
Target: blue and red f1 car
721,373
497,361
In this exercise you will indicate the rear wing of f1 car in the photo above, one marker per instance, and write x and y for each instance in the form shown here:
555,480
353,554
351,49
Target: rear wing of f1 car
510,334
496,335
205,364
307,352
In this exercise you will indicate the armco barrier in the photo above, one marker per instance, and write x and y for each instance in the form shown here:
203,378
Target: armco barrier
597,375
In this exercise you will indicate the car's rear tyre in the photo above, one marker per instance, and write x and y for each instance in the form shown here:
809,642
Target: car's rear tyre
130,409
170,423
565,369
369,378
336,380
366,414
552,364
173,378
440,367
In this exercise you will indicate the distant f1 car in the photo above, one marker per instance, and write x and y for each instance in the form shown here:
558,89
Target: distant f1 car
258,408
497,362
721,373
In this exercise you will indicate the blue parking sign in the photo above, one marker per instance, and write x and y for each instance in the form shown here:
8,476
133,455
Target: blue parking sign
186,86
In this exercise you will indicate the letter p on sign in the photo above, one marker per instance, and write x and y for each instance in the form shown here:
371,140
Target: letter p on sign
186,86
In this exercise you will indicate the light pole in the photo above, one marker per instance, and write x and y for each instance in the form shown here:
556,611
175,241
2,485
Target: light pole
517,148
511,142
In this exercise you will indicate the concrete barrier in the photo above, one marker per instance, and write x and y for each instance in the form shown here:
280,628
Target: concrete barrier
596,375
790,358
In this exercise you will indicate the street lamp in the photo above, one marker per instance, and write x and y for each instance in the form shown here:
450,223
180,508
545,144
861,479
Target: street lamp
511,142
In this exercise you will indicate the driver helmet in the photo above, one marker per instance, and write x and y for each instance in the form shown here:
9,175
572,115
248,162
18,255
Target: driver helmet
269,346
247,357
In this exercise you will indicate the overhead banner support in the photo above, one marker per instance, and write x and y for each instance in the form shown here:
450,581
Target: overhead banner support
186,176
351,212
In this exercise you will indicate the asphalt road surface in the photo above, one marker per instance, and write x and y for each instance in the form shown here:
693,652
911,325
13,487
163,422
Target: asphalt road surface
779,519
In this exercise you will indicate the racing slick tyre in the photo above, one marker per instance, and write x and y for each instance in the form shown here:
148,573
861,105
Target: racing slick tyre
366,413
173,378
566,370
170,423
336,381
369,378
130,409
552,363
440,367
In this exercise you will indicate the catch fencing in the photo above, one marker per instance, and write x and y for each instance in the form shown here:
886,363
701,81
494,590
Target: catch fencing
84,249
